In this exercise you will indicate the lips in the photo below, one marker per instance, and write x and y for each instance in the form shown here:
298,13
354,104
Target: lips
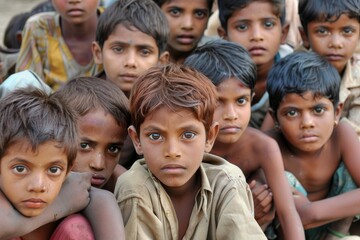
334,57
185,39
34,203
257,50
97,180
75,12
230,129
128,77
309,138
173,169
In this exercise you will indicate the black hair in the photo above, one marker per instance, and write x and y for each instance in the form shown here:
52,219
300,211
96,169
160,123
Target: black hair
220,60
301,72
161,2
228,7
144,15
327,10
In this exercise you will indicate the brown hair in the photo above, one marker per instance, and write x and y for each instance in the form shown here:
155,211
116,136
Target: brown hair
175,87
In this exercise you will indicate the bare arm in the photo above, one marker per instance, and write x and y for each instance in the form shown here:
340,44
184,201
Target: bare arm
272,164
73,197
104,215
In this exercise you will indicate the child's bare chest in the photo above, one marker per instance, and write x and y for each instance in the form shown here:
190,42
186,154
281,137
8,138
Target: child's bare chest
80,50
315,174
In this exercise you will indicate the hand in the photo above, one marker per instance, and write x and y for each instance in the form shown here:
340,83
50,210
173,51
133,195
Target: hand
74,195
263,202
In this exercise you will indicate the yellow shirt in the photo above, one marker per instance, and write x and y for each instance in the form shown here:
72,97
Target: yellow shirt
223,206
45,51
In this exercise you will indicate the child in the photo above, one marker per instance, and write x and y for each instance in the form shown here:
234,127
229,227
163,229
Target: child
37,149
131,37
187,20
230,68
104,117
178,191
332,29
259,26
321,153
57,45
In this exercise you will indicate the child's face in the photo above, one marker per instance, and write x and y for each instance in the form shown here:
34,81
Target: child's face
32,180
187,21
126,54
233,111
336,41
101,140
258,29
76,12
173,146
307,122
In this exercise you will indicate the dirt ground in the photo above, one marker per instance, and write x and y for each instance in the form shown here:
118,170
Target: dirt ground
9,8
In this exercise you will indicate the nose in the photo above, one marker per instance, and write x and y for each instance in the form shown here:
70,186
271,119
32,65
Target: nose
97,163
257,33
172,149
74,1
307,121
37,183
187,22
336,42
230,112
130,61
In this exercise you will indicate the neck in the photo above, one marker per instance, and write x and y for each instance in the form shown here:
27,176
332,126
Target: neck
80,31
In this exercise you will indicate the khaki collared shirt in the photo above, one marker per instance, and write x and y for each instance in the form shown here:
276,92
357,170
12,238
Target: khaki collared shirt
350,96
223,207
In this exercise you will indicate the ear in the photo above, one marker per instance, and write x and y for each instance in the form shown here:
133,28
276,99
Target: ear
304,38
211,136
164,58
338,111
19,36
97,53
222,33
284,32
135,139
272,114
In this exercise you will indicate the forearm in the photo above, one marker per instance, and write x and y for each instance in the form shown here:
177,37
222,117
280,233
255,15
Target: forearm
320,212
104,215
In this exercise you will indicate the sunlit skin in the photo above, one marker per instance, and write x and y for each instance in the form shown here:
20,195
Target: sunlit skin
259,30
233,110
76,11
101,140
173,148
187,21
126,54
335,40
251,150
306,122
78,20
31,180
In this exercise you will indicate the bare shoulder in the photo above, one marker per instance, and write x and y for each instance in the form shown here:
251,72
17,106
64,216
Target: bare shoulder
261,141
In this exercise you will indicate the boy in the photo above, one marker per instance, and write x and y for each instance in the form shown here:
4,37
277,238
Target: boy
260,27
37,149
177,191
187,20
103,119
322,154
57,45
131,37
332,29
230,68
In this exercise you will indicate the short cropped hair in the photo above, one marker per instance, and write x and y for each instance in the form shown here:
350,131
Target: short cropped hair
86,94
175,87
220,60
327,10
161,2
144,15
228,7
32,115
302,72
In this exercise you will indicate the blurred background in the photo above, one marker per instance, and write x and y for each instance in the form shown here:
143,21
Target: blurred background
9,8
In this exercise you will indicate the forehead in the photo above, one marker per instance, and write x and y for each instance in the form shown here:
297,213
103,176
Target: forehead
255,10
303,99
188,4
130,35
